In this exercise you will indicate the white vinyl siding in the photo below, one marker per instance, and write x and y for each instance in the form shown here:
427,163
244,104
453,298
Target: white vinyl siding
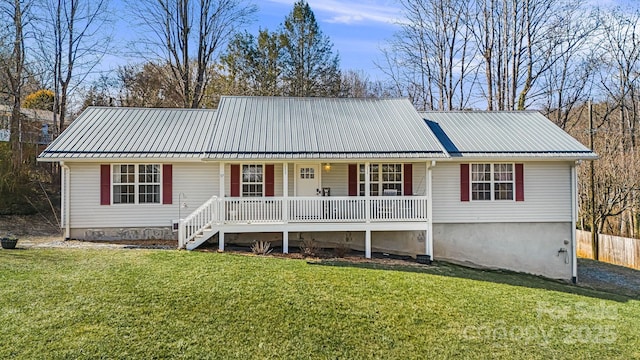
197,182
292,179
337,178
547,196
419,179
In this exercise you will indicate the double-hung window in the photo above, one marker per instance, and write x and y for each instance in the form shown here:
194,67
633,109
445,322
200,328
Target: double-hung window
136,184
492,182
381,177
252,180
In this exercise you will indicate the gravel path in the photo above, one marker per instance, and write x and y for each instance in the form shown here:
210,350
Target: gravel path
608,277
36,231
27,242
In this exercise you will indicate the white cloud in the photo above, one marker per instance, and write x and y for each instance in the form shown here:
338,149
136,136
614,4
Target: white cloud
353,11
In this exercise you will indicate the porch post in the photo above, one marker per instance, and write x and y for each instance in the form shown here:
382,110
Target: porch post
367,209
367,191
367,244
285,207
221,214
574,214
429,234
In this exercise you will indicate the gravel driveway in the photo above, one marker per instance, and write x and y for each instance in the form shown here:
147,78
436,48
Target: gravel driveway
607,277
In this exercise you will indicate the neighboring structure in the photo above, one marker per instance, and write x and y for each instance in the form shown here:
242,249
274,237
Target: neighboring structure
37,126
493,189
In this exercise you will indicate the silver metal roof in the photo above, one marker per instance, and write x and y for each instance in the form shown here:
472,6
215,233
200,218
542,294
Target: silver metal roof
108,132
310,128
513,134
318,128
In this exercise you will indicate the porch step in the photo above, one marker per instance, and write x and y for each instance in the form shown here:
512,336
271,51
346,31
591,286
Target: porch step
201,238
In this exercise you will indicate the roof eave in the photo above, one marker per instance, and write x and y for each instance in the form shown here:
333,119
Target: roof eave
541,156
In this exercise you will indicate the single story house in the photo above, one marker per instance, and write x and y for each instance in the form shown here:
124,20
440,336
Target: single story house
492,189
37,126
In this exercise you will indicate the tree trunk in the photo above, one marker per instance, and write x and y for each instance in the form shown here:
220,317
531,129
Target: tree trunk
15,80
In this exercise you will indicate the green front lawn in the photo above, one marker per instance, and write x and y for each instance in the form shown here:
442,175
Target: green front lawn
164,304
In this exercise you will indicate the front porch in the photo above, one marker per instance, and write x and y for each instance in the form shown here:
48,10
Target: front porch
372,204
303,214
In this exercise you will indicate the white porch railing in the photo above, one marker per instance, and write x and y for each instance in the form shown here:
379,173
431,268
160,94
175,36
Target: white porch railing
330,209
253,210
326,209
307,209
203,218
398,208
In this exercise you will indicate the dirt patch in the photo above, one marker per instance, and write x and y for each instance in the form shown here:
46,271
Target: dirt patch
322,256
28,225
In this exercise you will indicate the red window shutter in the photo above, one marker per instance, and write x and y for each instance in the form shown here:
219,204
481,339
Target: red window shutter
408,179
519,182
167,184
353,179
105,184
235,180
269,180
464,182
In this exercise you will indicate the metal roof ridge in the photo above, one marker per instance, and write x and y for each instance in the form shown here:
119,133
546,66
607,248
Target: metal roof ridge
479,111
149,108
313,97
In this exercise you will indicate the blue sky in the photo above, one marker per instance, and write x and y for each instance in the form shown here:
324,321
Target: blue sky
357,28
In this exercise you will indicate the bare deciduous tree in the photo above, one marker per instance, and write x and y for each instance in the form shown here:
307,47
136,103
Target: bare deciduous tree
430,58
620,72
77,37
175,27
16,13
568,82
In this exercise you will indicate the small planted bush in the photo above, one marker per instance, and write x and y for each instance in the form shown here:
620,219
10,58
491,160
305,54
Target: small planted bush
261,247
341,250
309,247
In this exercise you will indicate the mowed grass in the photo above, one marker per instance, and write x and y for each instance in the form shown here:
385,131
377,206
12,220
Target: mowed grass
175,304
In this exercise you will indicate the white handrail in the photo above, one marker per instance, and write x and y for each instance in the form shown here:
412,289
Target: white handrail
330,209
202,218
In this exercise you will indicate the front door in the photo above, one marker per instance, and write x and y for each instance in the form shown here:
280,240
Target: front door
307,184
308,180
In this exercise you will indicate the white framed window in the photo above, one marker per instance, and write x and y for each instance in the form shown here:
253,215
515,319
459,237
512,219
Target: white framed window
382,177
307,173
252,180
492,182
136,184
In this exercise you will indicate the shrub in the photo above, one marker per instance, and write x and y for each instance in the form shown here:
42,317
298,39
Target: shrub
261,247
341,250
309,247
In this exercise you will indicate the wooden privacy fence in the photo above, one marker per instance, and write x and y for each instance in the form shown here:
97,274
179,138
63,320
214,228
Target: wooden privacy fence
613,249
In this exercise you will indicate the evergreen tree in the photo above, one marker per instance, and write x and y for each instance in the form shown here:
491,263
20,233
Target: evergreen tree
254,65
310,67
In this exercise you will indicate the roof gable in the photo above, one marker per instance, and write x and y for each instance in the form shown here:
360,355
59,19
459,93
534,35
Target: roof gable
287,127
